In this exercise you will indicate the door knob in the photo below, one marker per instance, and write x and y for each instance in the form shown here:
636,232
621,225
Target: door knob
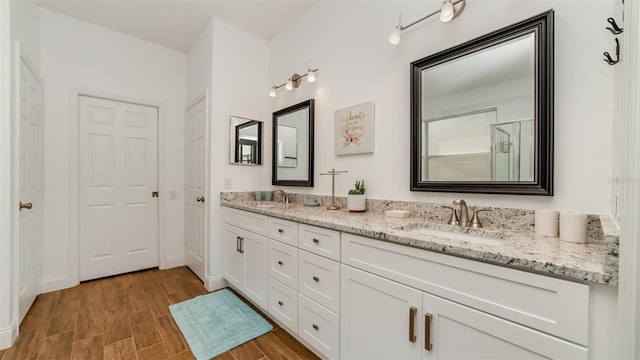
27,206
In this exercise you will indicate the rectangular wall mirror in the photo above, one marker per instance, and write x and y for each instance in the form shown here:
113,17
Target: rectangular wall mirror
245,141
293,145
482,113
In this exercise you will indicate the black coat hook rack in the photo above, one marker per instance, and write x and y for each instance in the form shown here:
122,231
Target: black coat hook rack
607,57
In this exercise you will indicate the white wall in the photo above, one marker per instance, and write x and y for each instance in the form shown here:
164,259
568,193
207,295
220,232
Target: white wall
79,55
347,41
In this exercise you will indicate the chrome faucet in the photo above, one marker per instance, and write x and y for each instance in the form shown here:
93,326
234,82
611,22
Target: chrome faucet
285,197
464,212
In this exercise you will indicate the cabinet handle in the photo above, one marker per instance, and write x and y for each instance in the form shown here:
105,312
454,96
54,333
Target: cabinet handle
316,241
241,245
315,326
427,331
280,231
237,243
27,206
280,262
316,279
280,303
412,322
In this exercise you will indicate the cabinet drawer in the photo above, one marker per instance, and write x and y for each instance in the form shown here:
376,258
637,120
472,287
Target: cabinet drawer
320,241
283,304
283,263
319,279
284,230
247,220
319,327
554,306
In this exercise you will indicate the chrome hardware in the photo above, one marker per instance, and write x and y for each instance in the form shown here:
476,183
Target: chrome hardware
475,219
200,199
154,194
316,241
464,212
453,220
27,206
316,279
412,323
284,196
280,263
427,332
280,303
240,244
315,327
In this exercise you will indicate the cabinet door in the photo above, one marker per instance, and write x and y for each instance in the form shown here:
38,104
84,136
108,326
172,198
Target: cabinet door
255,249
456,331
376,319
232,257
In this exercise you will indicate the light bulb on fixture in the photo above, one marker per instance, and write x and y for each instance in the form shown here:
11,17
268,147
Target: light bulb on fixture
394,38
289,85
311,77
272,93
446,11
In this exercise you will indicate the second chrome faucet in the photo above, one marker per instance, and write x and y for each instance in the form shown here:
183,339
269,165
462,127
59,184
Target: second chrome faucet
463,219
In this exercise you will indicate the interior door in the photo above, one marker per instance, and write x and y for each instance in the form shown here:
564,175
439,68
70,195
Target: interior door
118,187
195,190
30,183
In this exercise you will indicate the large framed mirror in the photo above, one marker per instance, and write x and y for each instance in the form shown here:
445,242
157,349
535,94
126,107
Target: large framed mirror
293,145
482,113
245,141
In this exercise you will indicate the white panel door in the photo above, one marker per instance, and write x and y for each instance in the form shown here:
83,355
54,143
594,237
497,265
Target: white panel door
118,175
30,184
195,180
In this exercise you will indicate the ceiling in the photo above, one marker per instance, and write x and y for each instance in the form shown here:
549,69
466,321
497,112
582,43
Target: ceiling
177,23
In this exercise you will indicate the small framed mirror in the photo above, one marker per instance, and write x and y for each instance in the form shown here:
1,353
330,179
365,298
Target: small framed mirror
482,113
293,145
245,141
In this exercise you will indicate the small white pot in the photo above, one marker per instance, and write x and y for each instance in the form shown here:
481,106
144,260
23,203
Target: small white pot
356,203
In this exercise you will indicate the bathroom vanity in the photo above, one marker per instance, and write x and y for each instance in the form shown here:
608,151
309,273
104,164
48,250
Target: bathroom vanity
369,286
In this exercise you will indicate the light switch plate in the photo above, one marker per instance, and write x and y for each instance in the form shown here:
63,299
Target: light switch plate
227,183
172,195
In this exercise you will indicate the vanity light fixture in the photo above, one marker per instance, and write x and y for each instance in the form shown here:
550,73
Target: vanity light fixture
448,12
294,81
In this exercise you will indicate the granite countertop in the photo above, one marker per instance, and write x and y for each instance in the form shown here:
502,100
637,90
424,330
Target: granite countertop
591,262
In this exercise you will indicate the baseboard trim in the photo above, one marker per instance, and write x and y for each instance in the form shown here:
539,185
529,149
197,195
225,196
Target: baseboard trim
8,335
216,282
56,283
173,261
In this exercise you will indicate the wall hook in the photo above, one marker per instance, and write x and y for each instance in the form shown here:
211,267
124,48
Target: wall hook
608,58
616,29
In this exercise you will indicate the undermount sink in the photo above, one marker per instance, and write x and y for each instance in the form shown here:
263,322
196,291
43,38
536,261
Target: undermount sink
265,206
482,237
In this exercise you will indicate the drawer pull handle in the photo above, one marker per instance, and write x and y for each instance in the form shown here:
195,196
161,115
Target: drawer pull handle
280,231
280,262
238,243
315,326
241,245
316,241
280,303
412,322
427,331
316,279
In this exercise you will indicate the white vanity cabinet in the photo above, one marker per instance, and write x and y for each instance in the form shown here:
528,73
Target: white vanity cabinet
497,312
245,264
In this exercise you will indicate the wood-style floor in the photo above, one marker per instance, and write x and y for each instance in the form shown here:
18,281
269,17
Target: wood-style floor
127,317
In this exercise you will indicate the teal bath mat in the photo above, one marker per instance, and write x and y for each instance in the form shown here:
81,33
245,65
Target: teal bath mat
217,322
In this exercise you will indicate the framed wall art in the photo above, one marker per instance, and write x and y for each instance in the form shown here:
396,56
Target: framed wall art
355,129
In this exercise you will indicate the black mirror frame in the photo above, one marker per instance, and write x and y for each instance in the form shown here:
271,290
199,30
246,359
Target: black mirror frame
258,142
543,182
274,167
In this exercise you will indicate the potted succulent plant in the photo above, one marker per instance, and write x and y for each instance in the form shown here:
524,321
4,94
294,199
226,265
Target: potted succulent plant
356,201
